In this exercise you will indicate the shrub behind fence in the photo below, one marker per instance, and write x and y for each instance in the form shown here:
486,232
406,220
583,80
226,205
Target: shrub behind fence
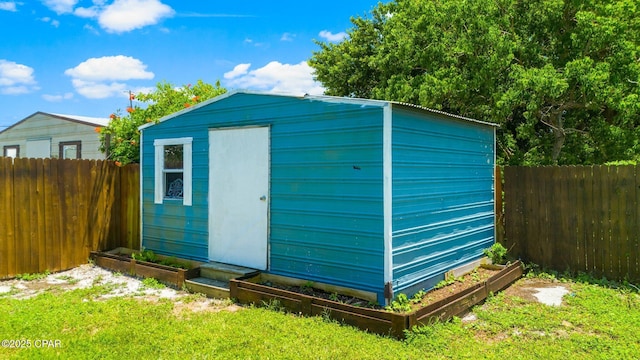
54,212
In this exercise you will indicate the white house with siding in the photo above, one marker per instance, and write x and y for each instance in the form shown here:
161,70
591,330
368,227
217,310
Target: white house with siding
46,135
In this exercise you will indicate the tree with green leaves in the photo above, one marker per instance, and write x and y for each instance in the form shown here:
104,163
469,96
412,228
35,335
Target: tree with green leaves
561,77
121,138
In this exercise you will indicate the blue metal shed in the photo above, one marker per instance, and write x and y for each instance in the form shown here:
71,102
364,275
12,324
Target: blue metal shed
352,192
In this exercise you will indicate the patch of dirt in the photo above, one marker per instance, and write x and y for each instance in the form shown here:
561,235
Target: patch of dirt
204,305
526,289
457,285
87,276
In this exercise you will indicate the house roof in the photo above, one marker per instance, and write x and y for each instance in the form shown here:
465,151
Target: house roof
85,119
325,98
91,121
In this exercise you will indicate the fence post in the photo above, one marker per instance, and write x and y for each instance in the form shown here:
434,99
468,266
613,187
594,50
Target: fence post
499,215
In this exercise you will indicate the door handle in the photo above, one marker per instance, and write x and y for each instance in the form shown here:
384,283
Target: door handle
263,198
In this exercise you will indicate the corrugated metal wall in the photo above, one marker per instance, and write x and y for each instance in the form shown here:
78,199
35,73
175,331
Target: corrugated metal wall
326,187
326,191
443,214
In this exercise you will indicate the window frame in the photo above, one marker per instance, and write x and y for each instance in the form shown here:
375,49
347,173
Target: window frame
159,170
9,147
62,144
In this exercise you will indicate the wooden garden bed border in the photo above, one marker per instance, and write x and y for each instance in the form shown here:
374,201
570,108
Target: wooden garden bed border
247,290
166,274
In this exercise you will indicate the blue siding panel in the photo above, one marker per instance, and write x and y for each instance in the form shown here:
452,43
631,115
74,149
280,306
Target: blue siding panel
443,209
326,197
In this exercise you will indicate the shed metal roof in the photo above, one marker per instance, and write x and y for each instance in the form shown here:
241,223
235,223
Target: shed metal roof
325,98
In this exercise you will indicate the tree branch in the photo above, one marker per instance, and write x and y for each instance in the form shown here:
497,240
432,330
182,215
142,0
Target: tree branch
548,124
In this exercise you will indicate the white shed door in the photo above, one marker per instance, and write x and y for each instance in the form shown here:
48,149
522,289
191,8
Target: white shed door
238,196
39,148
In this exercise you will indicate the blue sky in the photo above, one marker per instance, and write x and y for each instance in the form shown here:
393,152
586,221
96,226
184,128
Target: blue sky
80,57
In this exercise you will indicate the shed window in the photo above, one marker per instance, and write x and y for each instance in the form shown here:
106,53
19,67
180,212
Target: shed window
12,151
70,150
173,170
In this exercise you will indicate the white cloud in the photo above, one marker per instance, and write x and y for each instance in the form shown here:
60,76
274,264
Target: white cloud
57,98
54,23
91,29
117,17
329,36
98,90
249,41
126,15
16,78
90,12
60,6
275,77
287,37
99,78
14,90
8,6
238,70
118,67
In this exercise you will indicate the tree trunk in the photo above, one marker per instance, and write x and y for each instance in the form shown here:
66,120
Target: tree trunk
559,136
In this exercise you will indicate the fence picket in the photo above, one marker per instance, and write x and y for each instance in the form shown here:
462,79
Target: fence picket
605,211
626,205
577,222
23,215
39,257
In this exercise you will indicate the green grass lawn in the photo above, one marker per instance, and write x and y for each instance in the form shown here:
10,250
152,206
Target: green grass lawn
595,322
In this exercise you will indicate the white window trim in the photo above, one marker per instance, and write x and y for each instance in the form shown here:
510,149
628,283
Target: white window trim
159,144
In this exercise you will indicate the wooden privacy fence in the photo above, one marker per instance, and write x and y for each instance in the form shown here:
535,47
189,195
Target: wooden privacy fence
579,218
53,212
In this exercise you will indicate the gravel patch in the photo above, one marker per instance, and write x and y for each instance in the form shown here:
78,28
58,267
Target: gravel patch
119,285
551,296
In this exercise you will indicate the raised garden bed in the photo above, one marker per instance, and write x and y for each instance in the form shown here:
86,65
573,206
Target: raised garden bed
257,290
120,260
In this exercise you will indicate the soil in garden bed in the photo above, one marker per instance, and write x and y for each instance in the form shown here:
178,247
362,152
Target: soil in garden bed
454,286
311,291
444,290
169,261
